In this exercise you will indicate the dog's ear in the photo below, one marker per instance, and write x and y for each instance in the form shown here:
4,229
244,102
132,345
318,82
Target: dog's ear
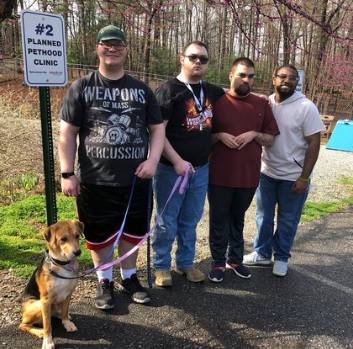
49,234
81,227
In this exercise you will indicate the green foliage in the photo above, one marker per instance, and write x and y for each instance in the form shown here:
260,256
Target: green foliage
348,201
314,210
73,55
22,255
22,245
27,181
219,78
12,190
32,208
161,63
66,208
345,180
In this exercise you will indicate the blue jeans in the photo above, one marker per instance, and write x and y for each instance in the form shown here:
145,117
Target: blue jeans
180,217
270,192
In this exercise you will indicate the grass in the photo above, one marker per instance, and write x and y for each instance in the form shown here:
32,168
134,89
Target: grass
314,210
345,180
22,220
21,243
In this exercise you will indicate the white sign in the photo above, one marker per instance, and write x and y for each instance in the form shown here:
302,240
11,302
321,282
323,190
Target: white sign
44,49
299,87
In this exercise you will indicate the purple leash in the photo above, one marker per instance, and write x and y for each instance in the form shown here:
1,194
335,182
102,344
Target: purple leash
181,190
182,179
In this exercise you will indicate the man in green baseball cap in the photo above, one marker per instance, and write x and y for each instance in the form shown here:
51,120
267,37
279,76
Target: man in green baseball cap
110,32
98,108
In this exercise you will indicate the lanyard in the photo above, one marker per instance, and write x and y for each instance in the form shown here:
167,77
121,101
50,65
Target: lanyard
199,103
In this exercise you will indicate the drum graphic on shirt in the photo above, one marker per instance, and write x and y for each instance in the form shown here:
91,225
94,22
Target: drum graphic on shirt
117,129
114,135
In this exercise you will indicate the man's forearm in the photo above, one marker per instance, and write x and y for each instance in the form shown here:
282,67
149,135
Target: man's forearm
170,154
264,139
311,155
157,141
67,146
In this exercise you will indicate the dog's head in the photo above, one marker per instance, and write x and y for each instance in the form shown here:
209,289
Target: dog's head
63,239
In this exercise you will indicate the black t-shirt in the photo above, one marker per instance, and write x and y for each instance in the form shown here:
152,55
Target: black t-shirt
188,130
113,116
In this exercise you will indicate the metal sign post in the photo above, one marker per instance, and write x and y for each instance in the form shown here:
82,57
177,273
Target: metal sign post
48,154
44,53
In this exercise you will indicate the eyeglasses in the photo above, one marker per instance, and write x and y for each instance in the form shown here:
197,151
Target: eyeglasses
291,77
119,46
194,58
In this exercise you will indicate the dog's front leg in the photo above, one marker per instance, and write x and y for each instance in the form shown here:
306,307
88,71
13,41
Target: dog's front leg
65,318
47,330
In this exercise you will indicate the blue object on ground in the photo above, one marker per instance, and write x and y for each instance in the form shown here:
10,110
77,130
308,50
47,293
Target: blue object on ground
342,136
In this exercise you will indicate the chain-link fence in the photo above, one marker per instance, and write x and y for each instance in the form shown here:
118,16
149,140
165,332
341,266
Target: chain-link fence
339,103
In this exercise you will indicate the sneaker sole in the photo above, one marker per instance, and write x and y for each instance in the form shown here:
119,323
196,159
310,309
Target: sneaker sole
105,307
257,263
279,274
136,300
240,275
215,280
141,301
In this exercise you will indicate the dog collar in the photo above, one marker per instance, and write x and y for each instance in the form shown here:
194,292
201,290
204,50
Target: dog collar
58,263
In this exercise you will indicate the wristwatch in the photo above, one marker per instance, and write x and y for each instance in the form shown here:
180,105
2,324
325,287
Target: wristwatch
67,174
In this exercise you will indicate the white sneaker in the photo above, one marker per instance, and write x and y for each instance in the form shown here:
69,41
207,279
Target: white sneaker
280,268
255,258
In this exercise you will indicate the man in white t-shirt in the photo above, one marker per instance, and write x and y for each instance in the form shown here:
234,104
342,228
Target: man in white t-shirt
286,170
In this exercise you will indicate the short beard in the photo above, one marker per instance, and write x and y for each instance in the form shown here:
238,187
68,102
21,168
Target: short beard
284,95
241,92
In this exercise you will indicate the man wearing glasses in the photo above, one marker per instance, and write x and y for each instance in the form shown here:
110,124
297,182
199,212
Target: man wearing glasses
187,108
121,135
286,172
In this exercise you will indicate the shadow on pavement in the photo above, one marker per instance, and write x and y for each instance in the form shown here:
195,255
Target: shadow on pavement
309,308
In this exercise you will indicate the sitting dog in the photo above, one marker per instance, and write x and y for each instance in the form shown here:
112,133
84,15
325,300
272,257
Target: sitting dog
47,294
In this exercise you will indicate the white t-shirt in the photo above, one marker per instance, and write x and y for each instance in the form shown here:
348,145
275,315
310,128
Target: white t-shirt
297,117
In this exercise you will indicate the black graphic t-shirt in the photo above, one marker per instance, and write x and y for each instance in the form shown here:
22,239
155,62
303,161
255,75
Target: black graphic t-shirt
113,116
188,130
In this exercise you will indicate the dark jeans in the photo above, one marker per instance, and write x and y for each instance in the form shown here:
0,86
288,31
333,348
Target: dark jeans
227,213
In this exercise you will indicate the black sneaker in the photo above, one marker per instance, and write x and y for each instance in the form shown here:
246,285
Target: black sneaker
239,269
105,295
133,287
216,274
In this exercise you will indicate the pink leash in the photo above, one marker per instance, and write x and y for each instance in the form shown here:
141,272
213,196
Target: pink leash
129,253
183,181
